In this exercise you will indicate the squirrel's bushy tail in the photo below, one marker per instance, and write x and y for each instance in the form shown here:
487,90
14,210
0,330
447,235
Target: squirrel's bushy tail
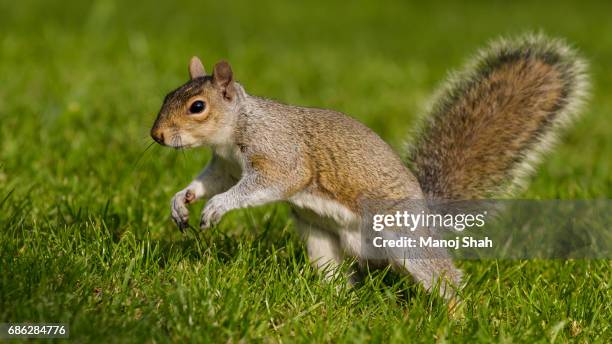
491,122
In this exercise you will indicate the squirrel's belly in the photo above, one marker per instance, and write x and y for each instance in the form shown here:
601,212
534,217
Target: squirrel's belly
320,209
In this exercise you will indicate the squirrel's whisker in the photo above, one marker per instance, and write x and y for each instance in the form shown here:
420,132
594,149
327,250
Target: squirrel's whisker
144,152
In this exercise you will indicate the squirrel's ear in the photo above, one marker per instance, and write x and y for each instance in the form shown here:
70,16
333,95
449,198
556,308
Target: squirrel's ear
223,78
196,68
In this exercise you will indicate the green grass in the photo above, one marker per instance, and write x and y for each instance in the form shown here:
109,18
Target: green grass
85,233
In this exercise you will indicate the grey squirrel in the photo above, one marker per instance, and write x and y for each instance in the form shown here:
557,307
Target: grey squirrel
484,133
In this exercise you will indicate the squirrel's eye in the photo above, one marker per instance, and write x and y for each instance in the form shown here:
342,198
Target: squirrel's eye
197,106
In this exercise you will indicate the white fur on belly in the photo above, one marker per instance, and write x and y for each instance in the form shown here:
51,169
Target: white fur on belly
325,207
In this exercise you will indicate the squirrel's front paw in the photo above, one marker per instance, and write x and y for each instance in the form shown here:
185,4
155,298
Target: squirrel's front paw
180,213
212,213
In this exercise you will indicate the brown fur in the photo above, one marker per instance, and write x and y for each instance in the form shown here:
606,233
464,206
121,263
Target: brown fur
334,155
488,122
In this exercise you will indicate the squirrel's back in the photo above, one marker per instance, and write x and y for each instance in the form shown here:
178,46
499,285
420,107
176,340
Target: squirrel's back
490,123
345,159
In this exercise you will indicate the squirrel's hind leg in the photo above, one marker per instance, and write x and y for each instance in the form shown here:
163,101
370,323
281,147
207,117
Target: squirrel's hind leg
323,248
437,272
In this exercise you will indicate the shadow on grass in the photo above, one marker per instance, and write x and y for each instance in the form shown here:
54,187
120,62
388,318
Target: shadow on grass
260,236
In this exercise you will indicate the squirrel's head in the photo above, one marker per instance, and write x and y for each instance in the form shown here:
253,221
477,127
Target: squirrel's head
202,111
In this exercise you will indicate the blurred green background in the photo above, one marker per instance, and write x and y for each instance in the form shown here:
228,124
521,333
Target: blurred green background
84,208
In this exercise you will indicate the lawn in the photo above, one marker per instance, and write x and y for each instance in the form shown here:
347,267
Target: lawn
85,234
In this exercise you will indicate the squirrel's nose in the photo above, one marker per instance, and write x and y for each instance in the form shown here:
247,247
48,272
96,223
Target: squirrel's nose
157,135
